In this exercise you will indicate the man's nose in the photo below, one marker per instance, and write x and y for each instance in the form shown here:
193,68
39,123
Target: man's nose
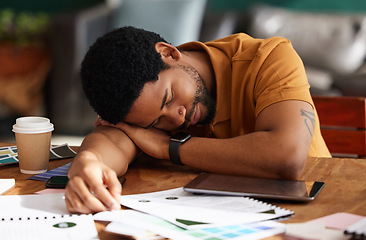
177,115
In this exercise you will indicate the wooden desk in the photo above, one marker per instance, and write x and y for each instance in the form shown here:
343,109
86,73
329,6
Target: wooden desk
344,190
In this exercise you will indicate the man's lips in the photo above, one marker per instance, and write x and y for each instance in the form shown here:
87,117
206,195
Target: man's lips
195,117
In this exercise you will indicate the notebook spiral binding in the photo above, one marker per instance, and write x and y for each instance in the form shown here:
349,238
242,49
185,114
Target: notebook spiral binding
3,219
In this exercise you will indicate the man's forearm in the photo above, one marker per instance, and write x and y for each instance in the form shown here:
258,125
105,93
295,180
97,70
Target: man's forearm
278,148
260,154
93,185
111,146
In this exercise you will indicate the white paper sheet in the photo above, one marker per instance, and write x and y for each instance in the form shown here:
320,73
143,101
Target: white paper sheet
32,206
6,184
178,207
33,216
68,227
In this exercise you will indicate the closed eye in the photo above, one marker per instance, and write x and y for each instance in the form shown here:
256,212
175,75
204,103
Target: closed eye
157,121
171,99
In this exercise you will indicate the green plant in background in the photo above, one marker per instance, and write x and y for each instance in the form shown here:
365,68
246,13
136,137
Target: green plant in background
23,28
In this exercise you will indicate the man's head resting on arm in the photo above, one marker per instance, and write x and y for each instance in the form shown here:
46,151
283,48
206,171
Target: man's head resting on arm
126,61
116,68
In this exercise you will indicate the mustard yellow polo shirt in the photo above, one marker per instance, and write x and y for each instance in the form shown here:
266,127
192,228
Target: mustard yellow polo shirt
252,74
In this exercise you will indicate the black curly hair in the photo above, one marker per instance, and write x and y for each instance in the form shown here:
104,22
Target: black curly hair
116,68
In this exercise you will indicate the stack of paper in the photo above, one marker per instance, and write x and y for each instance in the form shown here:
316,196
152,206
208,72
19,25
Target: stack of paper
178,215
174,214
142,226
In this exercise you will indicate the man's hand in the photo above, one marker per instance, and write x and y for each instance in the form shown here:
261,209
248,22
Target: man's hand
153,142
92,186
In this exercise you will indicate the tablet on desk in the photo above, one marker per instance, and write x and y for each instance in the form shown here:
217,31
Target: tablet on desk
254,187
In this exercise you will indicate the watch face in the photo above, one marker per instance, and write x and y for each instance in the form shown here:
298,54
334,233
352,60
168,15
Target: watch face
180,137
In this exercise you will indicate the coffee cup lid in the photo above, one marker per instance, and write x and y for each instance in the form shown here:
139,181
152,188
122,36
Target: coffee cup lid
32,125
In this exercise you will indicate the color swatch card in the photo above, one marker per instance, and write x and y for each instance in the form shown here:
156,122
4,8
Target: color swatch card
61,151
60,171
125,220
9,155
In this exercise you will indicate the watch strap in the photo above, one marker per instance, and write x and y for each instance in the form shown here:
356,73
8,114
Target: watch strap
174,152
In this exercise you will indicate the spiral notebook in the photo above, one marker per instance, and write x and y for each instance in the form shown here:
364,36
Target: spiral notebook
42,216
357,229
192,211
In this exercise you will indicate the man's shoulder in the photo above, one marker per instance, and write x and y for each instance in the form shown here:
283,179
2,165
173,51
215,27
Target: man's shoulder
237,36
244,38
241,44
235,44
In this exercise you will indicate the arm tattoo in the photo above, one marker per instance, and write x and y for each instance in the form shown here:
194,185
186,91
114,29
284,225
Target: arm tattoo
309,120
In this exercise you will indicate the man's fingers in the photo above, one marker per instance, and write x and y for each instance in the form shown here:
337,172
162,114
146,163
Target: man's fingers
80,199
98,186
108,200
74,204
114,186
103,192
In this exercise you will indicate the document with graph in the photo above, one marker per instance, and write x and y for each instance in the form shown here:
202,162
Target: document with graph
192,211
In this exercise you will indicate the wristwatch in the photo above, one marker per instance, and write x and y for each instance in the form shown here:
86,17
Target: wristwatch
175,141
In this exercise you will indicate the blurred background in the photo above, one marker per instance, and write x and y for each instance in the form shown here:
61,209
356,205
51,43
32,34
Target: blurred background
43,42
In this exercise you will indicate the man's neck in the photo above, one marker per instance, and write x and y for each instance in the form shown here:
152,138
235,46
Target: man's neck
202,63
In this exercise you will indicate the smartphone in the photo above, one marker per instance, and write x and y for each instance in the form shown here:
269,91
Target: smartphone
61,181
218,184
57,182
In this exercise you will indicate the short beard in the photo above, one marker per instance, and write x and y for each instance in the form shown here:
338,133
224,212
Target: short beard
202,96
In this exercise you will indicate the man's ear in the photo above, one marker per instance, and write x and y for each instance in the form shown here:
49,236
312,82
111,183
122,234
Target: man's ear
168,51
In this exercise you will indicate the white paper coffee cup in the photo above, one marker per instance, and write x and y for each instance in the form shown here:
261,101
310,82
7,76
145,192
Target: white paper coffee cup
33,139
